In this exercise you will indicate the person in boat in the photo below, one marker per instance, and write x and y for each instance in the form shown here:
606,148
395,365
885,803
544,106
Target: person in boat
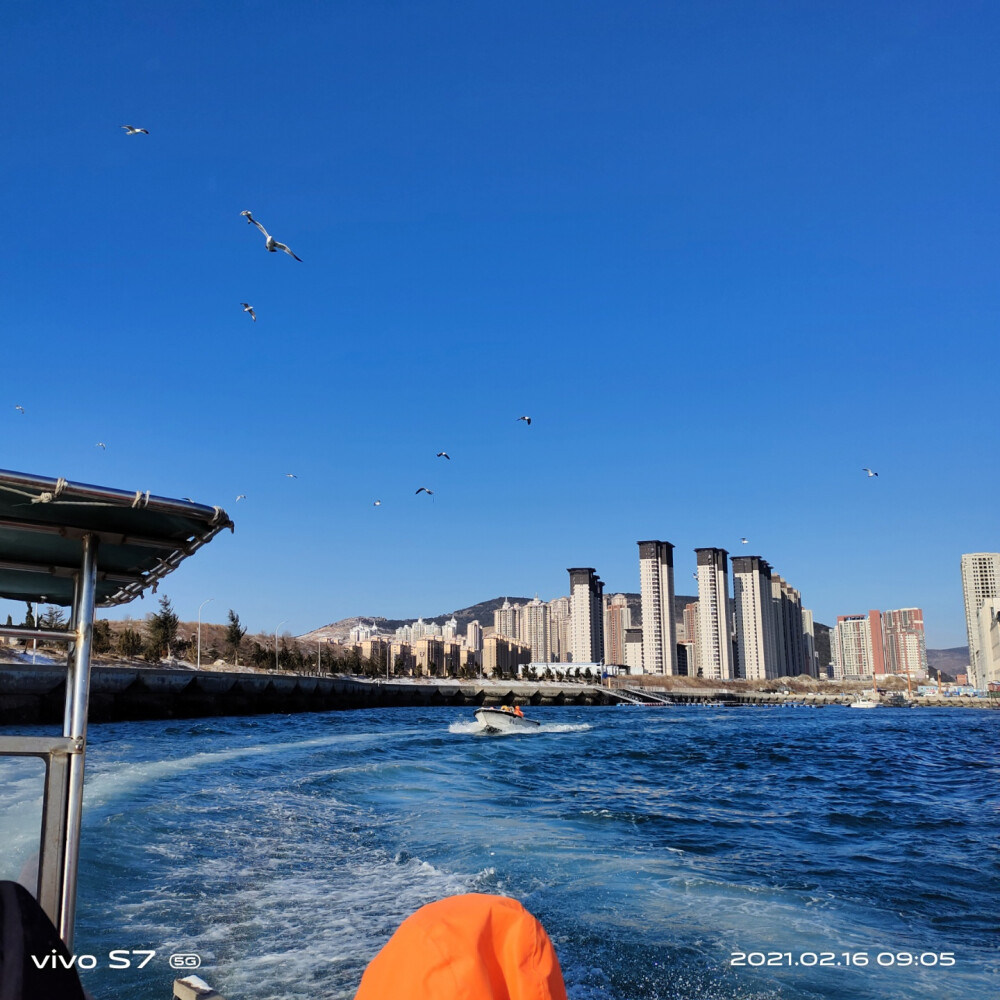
517,711
471,947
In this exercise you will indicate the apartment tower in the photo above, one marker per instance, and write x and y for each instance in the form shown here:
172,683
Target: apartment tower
617,618
535,629
715,644
586,619
980,581
755,618
656,586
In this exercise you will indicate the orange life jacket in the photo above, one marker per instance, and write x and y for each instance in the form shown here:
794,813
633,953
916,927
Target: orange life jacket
473,947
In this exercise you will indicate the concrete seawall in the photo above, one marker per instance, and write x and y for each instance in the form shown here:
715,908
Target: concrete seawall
35,694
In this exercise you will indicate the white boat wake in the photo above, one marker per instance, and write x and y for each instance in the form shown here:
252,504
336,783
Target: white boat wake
475,726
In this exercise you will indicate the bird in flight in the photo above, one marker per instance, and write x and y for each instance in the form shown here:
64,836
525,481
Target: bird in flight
423,489
19,408
744,541
444,454
132,130
101,445
242,496
247,308
870,473
272,244
527,420
291,475
378,503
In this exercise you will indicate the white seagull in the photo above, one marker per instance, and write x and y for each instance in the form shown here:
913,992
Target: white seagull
247,308
132,130
242,496
101,445
272,244
444,454
527,420
870,473
291,475
744,541
423,489
19,408
378,503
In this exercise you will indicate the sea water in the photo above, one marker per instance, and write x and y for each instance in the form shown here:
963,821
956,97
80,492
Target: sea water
656,845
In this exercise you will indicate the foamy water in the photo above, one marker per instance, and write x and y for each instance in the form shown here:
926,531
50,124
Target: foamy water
653,845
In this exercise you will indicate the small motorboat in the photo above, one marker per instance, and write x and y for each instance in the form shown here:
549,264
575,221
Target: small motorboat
504,719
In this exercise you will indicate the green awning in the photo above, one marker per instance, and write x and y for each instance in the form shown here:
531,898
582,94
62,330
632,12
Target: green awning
141,537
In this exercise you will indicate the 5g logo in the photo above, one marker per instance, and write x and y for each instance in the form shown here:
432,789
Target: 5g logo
185,961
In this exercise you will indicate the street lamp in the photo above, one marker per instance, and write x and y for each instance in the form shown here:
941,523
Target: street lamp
276,642
200,606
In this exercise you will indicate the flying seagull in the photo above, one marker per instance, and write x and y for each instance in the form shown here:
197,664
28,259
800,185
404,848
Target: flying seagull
19,408
242,496
870,473
247,308
101,445
744,541
444,454
378,503
527,420
272,244
291,475
423,489
132,130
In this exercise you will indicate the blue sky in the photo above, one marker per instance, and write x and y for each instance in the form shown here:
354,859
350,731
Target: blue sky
724,254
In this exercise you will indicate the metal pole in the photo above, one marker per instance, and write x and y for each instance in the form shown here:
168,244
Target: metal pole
77,729
276,627
200,606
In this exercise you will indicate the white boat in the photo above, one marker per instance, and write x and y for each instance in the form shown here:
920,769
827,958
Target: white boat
864,703
504,720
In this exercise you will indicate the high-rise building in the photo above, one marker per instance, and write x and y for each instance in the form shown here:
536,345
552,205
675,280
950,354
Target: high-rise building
715,643
506,620
980,583
633,650
559,619
617,618
755,618
809,634
851,647
690,638
474,636
989,641
535,629
880,643
656,586
903,642
449,630
586,619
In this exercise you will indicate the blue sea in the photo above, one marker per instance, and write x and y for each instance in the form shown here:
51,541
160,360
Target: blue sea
842,854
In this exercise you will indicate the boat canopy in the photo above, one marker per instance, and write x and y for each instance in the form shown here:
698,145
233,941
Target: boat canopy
141,537
82,546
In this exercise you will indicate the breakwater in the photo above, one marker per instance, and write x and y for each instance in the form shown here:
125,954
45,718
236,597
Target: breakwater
35,694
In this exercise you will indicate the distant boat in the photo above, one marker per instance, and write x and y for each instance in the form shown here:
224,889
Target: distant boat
504,720
864,702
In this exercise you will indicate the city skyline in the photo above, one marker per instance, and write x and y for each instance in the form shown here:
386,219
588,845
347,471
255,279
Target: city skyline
669,234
